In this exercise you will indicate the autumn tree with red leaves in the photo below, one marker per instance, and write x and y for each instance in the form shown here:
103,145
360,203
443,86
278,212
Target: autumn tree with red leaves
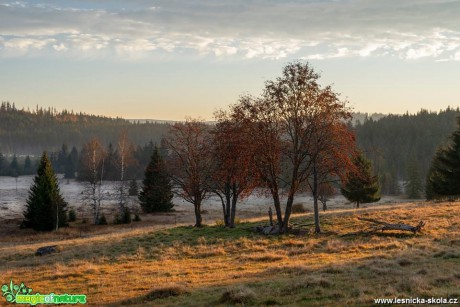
331,155
233,175
189,162
299,130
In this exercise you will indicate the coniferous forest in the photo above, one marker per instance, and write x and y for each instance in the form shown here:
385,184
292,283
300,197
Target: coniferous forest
400,147
29,132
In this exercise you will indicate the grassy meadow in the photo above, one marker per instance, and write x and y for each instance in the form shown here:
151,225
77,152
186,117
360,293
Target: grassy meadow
149,264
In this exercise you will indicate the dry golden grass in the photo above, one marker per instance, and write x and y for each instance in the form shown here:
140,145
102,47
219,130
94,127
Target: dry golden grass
184,266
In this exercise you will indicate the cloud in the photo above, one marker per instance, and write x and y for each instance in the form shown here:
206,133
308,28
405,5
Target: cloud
266,29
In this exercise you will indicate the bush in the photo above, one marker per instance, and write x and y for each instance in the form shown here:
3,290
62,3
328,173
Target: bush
238,295
72,215
298,208
220,223
133,188
125,218
137,218
165,292
102,220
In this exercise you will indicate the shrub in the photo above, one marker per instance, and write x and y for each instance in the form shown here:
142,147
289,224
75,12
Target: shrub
238,295
102,220
72,215
298,208
125,218
165,292
220,223
133,188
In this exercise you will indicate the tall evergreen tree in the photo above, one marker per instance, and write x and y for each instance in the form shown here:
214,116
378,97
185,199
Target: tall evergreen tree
2,164
156,194
361,186
414,183
62,159
69,169
133,188
46,208
15,171
28,168
443,178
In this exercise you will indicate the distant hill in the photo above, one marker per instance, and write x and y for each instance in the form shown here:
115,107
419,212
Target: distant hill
31,132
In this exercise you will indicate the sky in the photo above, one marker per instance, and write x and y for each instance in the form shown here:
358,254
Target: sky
168,59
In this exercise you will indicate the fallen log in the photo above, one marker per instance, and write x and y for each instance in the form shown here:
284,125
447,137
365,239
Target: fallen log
389,226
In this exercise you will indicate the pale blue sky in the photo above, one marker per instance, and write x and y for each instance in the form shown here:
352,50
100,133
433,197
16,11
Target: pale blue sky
167,59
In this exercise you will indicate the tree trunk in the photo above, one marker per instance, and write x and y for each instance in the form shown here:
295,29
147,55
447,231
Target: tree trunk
287,214
357,204
270,216
228,220
223,208
315,199
234,200
277,204
324,205
198,219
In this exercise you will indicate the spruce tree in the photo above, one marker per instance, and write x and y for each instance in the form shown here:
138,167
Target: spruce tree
14,167
69,169
45,205
133,188
443,180
361,186
414,184
156,194
2,164
28,168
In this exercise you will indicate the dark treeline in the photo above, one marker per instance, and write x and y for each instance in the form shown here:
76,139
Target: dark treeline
67,161
401,147
29,132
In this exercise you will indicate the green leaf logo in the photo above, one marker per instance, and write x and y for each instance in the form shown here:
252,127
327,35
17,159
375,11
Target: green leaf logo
10,292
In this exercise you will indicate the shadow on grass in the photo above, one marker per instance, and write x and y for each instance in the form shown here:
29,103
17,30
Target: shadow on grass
152,296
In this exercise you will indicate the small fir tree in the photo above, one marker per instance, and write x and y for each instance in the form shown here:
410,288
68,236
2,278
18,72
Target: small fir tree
28,169
2,164
133,188
72,215
14,167
46,209
156,194
361,186
69,168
